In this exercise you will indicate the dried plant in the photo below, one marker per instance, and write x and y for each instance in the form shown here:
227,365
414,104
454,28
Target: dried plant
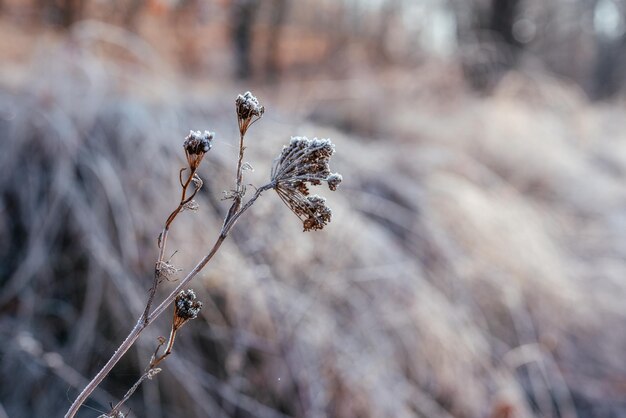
249,110
301,164
196,145
186,307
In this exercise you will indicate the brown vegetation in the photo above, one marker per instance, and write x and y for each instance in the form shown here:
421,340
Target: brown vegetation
474,266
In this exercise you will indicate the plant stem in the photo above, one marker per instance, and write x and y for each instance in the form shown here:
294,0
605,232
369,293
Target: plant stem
168,349
240,164
143,323
151,372
234,208
122,349
163,240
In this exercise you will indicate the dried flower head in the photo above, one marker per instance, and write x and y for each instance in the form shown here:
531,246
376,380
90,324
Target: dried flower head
303,163
249,110
196,145
186,307
333,181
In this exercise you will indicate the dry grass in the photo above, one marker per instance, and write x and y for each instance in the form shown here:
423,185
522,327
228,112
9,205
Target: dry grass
474,266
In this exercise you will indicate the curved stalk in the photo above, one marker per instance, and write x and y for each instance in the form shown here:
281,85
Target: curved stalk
144,322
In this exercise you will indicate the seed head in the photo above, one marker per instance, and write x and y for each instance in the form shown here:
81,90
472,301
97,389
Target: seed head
248,106
249,110
196,145
334,180
186,307
318,214
304,160
303,163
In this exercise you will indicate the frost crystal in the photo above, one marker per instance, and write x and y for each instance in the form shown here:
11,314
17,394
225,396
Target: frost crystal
166,270
192,205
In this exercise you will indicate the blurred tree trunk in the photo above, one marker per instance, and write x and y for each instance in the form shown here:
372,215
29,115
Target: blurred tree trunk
72,11
503,16
388,15
485,33
61,12
608,76
279,13
243,17
497,18
339,42
132,12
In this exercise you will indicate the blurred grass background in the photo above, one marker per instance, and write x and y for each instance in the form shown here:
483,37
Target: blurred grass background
474,266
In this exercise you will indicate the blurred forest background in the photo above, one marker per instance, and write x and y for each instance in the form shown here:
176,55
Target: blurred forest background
475,265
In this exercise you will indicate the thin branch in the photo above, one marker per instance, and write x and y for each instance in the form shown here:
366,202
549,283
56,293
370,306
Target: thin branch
238,195
240,163
163,239
149,374
151,370
311,210
142,323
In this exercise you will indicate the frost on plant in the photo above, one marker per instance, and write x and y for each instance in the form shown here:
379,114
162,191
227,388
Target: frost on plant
186,305
248,106
249,110
334,180
196,145
301,164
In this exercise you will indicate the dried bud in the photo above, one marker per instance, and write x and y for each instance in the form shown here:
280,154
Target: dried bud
248,110
186,307
248,106
196,145
333,181
303,163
